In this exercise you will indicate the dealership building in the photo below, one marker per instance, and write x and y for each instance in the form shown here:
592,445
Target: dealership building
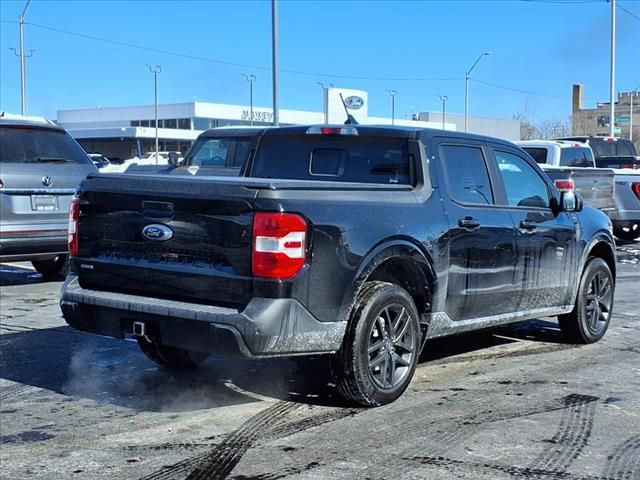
126,132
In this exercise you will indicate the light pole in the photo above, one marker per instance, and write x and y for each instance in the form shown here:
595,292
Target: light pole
250,79
632,94
392,94
325,100
23,67
155,70
612,77
443,99
274,59
466,90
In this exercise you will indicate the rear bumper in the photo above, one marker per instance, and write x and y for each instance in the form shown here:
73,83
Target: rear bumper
628,216
266,327
32,247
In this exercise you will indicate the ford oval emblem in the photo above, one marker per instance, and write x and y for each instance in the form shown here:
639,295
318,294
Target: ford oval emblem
157,232
354,102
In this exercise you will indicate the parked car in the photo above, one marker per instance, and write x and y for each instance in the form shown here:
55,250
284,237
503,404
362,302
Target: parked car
41,167
613,148
571,165
99,160
359,242
559,153
626,223
619,163
619,152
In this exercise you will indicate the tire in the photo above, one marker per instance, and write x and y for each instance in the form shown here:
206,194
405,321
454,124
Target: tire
629,233
170,357
380,350
589,320
52,268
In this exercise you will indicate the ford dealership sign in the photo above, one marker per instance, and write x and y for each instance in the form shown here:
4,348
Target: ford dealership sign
354,102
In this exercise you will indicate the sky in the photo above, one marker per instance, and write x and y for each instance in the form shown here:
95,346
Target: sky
85,57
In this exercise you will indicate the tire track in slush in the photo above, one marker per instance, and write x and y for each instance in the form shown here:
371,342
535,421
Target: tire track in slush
237,440
271,423
624,463
574,430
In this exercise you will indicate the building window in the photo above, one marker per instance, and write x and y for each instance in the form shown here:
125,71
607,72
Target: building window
184,123
135,123
170,123
144,123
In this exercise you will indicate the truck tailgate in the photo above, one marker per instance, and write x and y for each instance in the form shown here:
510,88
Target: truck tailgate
595,185
198,248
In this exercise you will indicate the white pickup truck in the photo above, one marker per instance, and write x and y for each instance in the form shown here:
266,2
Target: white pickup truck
571,165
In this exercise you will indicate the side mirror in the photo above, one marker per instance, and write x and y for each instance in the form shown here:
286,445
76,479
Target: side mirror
570,202
174,159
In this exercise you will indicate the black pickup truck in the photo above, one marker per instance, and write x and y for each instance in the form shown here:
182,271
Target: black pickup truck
356,241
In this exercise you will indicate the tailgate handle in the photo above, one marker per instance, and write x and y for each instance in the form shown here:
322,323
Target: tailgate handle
157,209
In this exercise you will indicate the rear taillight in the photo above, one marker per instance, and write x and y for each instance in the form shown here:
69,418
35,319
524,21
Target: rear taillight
279,245
635,187
74,214
565,185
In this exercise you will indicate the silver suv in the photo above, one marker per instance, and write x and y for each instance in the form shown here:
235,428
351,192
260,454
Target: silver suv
40,168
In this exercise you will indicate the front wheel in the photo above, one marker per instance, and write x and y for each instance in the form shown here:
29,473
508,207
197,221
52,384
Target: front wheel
381,346
170,357
591,314
629,233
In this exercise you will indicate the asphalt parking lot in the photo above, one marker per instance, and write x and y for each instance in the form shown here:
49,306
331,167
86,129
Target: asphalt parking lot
514,402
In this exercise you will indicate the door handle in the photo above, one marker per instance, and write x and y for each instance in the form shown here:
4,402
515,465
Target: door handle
528,225
469,223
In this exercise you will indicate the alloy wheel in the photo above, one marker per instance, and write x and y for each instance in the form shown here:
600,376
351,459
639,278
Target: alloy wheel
391,346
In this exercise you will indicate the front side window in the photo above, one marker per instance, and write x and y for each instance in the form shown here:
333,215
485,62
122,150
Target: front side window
467,175
523,185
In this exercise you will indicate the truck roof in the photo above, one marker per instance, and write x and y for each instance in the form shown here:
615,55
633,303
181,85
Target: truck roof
385,130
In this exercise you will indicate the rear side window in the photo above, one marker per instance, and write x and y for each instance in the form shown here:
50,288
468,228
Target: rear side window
467,176
576,157
538,154
39,145
383,160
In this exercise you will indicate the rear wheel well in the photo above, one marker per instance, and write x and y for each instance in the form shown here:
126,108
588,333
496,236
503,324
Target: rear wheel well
603,250
409,275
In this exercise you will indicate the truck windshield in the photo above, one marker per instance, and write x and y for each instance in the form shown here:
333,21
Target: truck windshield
383,160
229,152
603,148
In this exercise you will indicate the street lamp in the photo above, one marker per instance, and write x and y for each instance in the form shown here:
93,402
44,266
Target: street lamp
155,70
466,90
612,73
250,79
443,99
633,93
23,67
392,94
325,100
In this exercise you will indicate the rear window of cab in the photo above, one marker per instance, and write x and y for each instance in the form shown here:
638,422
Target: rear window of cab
382,160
